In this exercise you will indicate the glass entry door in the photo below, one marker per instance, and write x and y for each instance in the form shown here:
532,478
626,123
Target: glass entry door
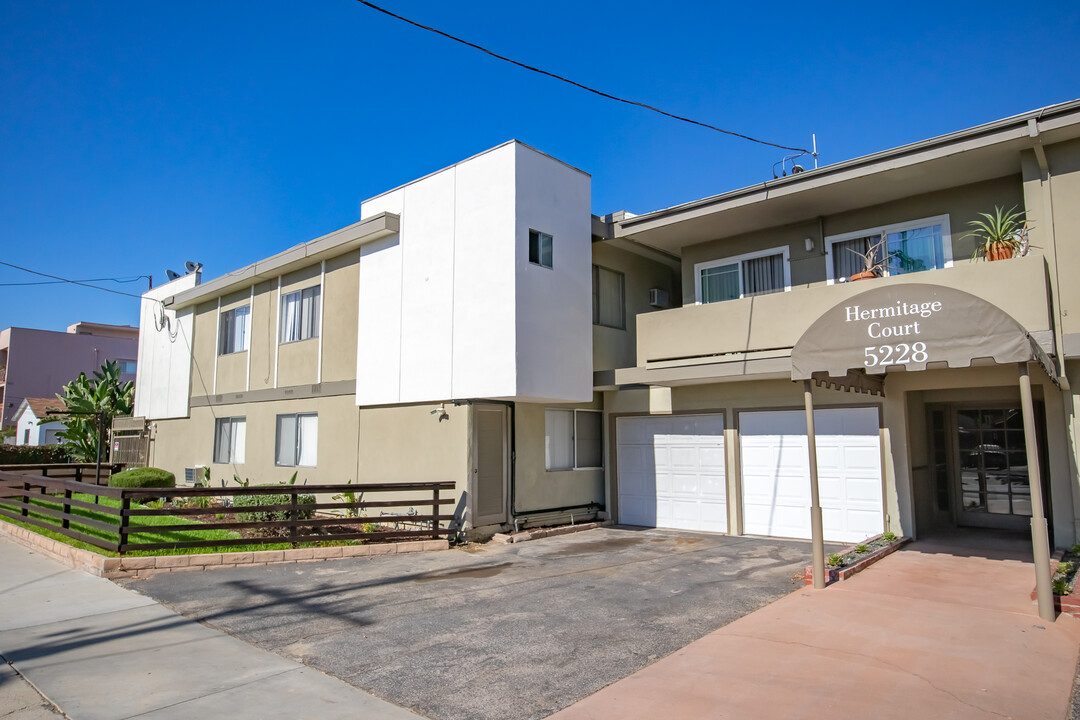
991,465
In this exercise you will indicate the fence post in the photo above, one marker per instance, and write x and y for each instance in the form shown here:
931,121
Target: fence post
65,521
26,499
78,474
294,516
435,515
125,508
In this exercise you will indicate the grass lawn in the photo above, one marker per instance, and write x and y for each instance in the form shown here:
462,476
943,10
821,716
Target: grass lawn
141,520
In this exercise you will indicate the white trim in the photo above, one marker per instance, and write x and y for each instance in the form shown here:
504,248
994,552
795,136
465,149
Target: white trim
322,307
738,259
217,342
276,330
942,220
251,324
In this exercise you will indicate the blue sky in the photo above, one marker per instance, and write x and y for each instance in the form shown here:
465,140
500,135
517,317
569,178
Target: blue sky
135,136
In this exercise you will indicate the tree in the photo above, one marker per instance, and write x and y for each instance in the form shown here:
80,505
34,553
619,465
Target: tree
94,404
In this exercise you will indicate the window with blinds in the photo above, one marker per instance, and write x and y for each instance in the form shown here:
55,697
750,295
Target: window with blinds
609,298
760,274
902,248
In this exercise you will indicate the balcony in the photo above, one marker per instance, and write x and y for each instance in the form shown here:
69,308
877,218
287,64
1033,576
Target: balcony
3,374
754,336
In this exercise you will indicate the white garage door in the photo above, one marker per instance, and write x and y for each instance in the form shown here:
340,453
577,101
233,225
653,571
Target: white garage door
776,473
671,472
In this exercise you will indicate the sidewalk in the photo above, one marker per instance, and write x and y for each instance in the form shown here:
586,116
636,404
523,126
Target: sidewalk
99,651
932,631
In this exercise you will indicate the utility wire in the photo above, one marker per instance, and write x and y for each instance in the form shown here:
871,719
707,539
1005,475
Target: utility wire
601,93
57,282
73,282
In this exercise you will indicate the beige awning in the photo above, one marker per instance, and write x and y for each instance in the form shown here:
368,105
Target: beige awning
908,326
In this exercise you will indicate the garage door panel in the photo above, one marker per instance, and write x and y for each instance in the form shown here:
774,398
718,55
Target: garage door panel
776,473
688,467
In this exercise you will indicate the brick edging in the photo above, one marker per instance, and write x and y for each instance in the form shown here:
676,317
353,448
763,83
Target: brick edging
140,567
833,575
1066,604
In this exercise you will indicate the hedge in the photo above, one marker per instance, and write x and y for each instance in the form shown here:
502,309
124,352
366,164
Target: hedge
143,478
33,454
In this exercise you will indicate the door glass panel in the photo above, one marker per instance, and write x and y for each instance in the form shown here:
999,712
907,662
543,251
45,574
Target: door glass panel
993,462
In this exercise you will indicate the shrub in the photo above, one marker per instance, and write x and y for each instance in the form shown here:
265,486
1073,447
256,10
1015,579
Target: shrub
1064,569
834,560
888,536
143,478
33,454
860,548
256,501
1061,586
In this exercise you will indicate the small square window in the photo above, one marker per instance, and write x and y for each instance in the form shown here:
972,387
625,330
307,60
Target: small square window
300,315
539,248
234,326
573,439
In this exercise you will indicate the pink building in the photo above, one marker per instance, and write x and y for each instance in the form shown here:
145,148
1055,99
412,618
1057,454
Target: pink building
38,363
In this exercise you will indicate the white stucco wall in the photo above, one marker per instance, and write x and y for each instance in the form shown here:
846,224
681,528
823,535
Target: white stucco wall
39,434
164,364
448,308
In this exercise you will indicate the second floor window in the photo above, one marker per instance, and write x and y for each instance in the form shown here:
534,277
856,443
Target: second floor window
609,298
758,273
300,315
902,248
233,329
540,248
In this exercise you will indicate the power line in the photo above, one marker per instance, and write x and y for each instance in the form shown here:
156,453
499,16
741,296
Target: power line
73,282
58,282
601,93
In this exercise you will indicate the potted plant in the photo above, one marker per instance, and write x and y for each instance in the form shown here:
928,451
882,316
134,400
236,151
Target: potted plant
875,258
1000,236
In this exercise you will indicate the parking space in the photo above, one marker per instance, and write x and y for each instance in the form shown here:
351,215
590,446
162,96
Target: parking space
507,632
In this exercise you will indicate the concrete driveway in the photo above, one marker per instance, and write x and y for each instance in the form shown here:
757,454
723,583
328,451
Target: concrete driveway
501,632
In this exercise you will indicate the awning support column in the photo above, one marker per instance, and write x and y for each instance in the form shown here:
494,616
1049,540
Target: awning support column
1039,541
816,528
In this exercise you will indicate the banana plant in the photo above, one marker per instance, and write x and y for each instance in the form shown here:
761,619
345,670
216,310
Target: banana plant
93,403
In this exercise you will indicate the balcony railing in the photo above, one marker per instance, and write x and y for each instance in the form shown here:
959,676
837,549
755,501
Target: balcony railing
3,374
769,324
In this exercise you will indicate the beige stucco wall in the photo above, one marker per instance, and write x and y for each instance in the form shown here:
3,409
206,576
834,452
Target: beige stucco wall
263,335
537,487
612,347
340,324
961,204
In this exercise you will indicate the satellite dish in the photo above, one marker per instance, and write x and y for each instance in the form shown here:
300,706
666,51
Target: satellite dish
795,169
172,274
192,266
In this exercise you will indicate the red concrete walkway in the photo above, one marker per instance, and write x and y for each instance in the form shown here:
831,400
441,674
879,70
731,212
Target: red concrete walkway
934,631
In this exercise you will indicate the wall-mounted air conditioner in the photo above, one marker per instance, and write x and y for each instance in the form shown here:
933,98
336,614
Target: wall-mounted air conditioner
658,298
194,475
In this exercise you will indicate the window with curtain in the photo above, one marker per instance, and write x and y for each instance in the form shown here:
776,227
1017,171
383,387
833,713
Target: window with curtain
573,439
233,330
609,298
297,440
230,436
909,247
540,250
300,315
739,277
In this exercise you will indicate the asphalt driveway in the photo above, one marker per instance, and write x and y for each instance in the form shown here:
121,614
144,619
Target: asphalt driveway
500,632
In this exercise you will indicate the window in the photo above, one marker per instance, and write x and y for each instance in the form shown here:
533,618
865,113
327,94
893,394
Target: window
910,247
234,326
26,436
297,440
759,273
540,248
230,436
573,439
608,298
127,367
300,315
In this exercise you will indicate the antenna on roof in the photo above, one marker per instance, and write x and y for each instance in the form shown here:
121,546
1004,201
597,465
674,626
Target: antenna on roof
795,168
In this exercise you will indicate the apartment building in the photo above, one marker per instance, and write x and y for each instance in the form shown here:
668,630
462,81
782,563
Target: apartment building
453,333
479,325
38,363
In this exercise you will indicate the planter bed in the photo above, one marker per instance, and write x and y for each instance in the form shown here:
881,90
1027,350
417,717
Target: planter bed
1067,603
130,567
855,562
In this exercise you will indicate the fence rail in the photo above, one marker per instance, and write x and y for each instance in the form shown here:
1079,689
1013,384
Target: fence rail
53,501
83,472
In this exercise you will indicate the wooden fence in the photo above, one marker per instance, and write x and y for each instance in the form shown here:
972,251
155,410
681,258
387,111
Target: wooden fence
18,493
81,472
